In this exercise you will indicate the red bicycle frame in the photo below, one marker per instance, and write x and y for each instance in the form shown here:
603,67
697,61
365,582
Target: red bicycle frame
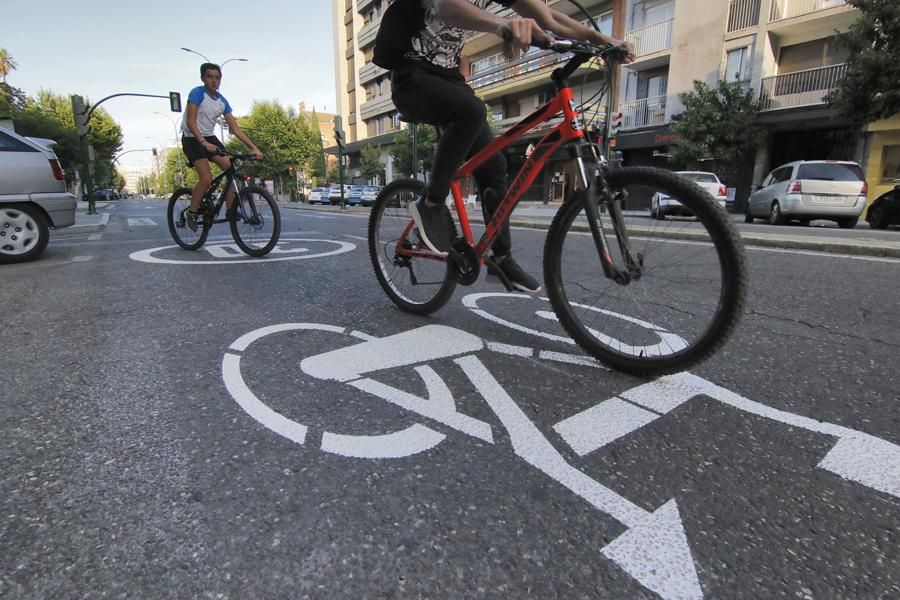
567,131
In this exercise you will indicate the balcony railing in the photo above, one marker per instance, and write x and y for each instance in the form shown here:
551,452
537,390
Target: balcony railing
653,38
743,14
786,9
801,88
643,113
593,117
522,66
370,72
367,34
376,106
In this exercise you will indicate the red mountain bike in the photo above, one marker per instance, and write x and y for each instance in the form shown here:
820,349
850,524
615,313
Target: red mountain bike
643,296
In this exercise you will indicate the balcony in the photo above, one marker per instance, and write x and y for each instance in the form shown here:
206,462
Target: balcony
370,72
652,38
363,5
378,105
593,117
801,88
788,9
643,113
506,71
367,34
743,14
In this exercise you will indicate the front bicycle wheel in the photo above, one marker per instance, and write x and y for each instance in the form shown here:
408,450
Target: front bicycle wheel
413,277
256,226
690,292
184,236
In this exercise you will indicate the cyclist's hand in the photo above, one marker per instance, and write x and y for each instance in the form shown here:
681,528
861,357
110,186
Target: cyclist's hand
211,148
257,153
628,47
520,33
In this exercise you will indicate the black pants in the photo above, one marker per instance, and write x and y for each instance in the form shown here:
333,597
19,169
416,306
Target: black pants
448,103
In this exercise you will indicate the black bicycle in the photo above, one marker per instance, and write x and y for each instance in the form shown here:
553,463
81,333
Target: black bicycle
256,220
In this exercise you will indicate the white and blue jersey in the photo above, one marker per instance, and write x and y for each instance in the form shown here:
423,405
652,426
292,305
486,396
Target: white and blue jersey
209,110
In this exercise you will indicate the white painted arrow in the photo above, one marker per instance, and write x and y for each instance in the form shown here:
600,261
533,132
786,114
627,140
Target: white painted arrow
654,550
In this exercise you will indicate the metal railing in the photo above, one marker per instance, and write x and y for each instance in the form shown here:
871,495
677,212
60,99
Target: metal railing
376,106
743,14
643,113
367,34
523,66
592,117
652,38
786,9
801,88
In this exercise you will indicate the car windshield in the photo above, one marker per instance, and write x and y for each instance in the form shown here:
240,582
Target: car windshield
830,172
700,177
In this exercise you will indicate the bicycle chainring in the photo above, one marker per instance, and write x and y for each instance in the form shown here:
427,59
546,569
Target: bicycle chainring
466,265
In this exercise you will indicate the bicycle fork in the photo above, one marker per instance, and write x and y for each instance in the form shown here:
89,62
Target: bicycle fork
592,182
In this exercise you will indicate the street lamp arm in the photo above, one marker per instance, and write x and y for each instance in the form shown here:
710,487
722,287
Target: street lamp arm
195,52
91,111
231,59
130,151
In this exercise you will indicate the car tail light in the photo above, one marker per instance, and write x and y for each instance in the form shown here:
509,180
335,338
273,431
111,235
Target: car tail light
794,187
865,189
57,170
722,190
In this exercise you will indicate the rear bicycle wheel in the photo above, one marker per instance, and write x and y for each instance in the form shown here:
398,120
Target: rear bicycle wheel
688,298
414,278
179,203
256,226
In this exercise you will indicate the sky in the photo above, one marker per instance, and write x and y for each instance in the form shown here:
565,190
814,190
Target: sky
101,47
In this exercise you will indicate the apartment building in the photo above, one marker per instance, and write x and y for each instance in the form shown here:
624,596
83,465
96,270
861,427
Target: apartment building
781,49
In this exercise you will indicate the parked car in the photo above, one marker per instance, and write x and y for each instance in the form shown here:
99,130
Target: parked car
662,205
369,194
810,189
318,195
33,197
354,194
885,209
334,194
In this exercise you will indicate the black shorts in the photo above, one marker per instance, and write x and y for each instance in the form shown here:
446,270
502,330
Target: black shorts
194,150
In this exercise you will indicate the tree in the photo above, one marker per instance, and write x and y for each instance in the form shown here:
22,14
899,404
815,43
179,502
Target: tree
870,89
370,163
401,150
50,116
719,124
7,64
285,139
12,101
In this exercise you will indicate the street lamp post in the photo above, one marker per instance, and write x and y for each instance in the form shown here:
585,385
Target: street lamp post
203,56
175,139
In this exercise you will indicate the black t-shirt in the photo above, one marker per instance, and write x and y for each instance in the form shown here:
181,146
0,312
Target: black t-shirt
410,32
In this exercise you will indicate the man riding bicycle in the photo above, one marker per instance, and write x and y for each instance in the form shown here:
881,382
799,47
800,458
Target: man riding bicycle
200,145
420,42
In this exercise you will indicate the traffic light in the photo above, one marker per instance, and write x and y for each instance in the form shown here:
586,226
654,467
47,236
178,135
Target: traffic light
79,111
154,152
174,101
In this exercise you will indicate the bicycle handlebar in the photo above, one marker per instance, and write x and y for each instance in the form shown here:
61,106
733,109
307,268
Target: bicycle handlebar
237,155
607,52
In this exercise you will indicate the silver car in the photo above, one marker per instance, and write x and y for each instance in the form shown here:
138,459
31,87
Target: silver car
33,197
810,189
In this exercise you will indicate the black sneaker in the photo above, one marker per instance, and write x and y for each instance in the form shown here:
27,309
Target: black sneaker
435,225
190,220
519,279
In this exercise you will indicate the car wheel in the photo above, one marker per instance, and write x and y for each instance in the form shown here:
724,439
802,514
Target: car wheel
23,233
775,216
847,223
877,217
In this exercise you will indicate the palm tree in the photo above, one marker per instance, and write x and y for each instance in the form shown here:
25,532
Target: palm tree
7,64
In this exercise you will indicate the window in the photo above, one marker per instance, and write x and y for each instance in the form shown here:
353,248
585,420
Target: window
11,144
486,63
737,65
890,164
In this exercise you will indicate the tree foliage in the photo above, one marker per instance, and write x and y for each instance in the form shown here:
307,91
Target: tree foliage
7,64
718,123
870,89
401,150
370,163
12,100
285,138
49,115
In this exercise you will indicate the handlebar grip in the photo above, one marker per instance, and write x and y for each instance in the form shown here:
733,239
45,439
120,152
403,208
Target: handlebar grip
508,38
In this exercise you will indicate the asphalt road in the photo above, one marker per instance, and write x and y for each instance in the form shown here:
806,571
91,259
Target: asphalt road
204,425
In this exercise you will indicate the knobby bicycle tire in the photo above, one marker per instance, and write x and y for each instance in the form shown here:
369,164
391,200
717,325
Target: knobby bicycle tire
416,285
693,281
251,218
183,236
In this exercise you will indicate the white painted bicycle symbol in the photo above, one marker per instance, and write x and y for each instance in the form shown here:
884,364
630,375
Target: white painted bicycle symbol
654,548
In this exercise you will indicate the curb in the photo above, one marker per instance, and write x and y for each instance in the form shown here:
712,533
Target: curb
90,227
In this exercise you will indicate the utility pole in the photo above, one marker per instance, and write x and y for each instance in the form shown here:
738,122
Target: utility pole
339,138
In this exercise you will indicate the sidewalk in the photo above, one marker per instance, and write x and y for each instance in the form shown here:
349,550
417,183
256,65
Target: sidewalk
85,223
539,216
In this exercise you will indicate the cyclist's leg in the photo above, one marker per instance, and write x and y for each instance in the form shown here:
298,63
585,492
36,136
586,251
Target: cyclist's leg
224,163
448,103
491,179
